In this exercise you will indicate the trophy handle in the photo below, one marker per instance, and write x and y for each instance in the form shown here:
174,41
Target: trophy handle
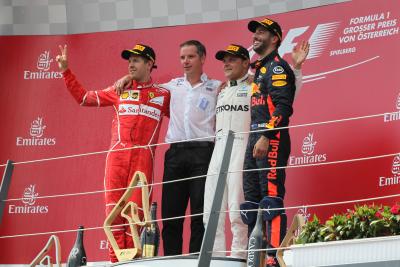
297,224
43,258
130,212
46,261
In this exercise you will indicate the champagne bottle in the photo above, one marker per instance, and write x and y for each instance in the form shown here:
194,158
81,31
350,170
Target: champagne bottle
257,241
151,235
77,256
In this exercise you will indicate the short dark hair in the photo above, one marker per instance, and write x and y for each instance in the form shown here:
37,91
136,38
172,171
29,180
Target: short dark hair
201,49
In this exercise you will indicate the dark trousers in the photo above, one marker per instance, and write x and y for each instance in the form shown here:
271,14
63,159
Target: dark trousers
181,161
271,183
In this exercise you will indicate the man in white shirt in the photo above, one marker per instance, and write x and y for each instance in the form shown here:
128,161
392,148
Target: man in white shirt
192,115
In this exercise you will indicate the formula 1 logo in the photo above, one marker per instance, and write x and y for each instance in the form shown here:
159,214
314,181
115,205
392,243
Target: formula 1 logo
36,133
321,36
43,66
319,39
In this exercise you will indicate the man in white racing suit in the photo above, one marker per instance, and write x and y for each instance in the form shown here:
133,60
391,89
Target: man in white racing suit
233,113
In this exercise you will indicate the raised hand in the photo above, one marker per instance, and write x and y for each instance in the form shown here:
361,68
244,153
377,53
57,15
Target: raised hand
62,59
299,54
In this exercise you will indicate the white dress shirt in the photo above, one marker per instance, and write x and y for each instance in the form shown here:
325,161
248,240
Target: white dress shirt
192,109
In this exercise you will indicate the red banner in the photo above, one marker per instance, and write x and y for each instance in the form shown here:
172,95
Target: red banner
351,71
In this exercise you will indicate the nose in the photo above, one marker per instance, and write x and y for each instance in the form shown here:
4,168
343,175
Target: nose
185,60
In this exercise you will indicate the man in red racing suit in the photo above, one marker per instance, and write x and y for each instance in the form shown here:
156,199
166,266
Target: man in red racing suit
136,122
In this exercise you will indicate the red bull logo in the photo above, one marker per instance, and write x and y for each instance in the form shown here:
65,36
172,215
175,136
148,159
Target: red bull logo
273,158
257,101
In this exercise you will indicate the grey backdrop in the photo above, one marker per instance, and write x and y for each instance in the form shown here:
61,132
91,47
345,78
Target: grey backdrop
34,17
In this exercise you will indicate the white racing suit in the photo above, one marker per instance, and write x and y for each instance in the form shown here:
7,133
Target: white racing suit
232,113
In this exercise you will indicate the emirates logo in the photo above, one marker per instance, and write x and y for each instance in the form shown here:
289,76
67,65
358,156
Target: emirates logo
308,144
36,132
44,61
43,69
37,128
307,150
396,165
398,102
29,196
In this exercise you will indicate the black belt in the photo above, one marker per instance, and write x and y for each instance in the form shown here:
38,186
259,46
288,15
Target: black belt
193,144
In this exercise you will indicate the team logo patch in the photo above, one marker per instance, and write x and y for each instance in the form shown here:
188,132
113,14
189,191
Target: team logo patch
263,70
278,70
151,95
279,77
133,95
279,83
159,100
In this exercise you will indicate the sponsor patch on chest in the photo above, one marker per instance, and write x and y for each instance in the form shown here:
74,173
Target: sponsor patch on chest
158,100
133,110
133,95
128,109
278,70
279,83
243,91
150,112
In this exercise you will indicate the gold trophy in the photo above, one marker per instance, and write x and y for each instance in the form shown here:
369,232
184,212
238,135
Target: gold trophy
130,212
43,258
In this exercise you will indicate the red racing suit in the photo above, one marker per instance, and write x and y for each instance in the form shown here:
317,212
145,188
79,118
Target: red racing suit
137,120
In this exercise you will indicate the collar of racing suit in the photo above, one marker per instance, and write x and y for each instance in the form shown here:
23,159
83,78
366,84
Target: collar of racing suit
141,85
261,62
236,82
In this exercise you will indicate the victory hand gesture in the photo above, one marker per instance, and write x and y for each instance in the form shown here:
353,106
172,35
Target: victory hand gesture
62,59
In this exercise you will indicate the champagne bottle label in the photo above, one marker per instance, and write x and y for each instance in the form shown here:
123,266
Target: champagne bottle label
255,257
151,235
148,250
